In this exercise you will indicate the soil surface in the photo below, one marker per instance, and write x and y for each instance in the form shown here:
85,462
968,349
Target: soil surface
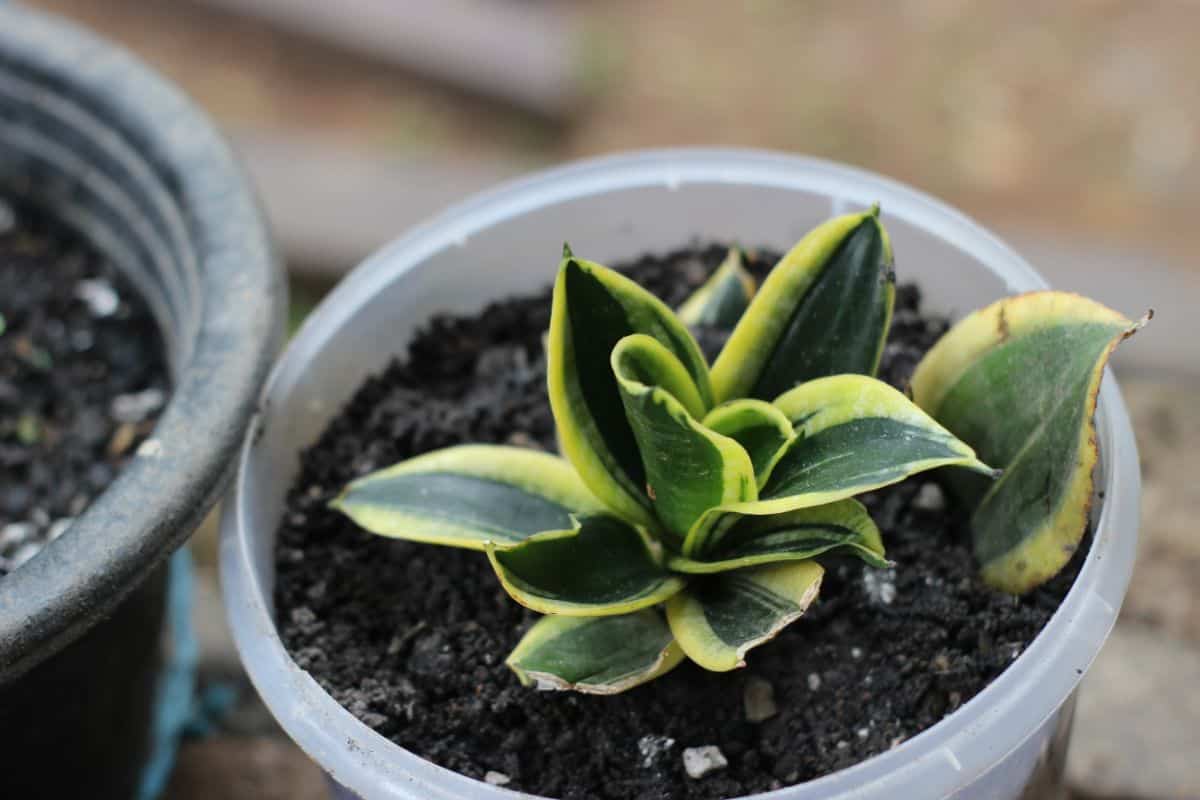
412,638
82,379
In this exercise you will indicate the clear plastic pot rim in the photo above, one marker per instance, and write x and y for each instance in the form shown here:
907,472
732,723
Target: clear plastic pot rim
960,749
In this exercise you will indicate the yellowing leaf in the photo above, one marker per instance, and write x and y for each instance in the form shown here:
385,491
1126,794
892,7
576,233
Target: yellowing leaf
1018,380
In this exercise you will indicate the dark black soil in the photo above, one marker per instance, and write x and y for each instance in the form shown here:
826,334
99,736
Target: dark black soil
412,638
82,378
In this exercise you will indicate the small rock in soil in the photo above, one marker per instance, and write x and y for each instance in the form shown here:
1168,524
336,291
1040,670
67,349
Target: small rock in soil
879,584
930,498
496,778
759,700
652,749
699,761
101,299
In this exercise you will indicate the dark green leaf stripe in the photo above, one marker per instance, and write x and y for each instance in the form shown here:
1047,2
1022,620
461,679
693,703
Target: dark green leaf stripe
1019,380
598,655
840,324
761,429
593,309
791,536
854,434
468,496
823,310
719,618
723,298
604,569
689,468
857,434
867,452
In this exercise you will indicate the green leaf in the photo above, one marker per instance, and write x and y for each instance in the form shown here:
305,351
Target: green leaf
791,536
759,427
688,468
596,655
593,309
469,496
642,360
603,569
1019,380
823,310
718,619
854,434
723,298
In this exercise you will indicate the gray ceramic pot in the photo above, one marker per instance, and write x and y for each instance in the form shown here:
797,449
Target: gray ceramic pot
95,138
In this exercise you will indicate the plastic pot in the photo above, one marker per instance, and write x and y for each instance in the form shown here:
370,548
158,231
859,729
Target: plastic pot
95,138
1009,739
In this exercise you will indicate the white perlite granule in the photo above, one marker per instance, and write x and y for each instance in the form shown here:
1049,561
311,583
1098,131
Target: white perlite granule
652,748
699,761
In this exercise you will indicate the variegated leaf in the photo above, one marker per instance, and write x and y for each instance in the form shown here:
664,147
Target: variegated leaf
470,496
823,310
593,309
719,618
723,298
596,655
605,568
759,427
854,434
790,536
1018,380
688,468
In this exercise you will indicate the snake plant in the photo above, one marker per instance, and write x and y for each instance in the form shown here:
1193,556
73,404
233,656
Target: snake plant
690,502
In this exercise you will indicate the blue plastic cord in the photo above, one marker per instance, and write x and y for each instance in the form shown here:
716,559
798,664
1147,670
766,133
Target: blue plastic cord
176,689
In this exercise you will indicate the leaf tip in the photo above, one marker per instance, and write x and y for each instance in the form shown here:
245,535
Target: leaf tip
567,252
875,210
1141,323
991,472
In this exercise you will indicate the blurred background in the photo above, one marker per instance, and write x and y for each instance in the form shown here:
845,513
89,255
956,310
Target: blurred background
1071,128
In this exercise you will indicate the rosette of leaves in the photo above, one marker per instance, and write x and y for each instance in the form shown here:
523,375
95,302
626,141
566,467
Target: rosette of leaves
690,502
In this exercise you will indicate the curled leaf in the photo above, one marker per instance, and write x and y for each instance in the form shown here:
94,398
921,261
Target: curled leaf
720,618
593,309
596,655
688,468
759,427
1018,380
